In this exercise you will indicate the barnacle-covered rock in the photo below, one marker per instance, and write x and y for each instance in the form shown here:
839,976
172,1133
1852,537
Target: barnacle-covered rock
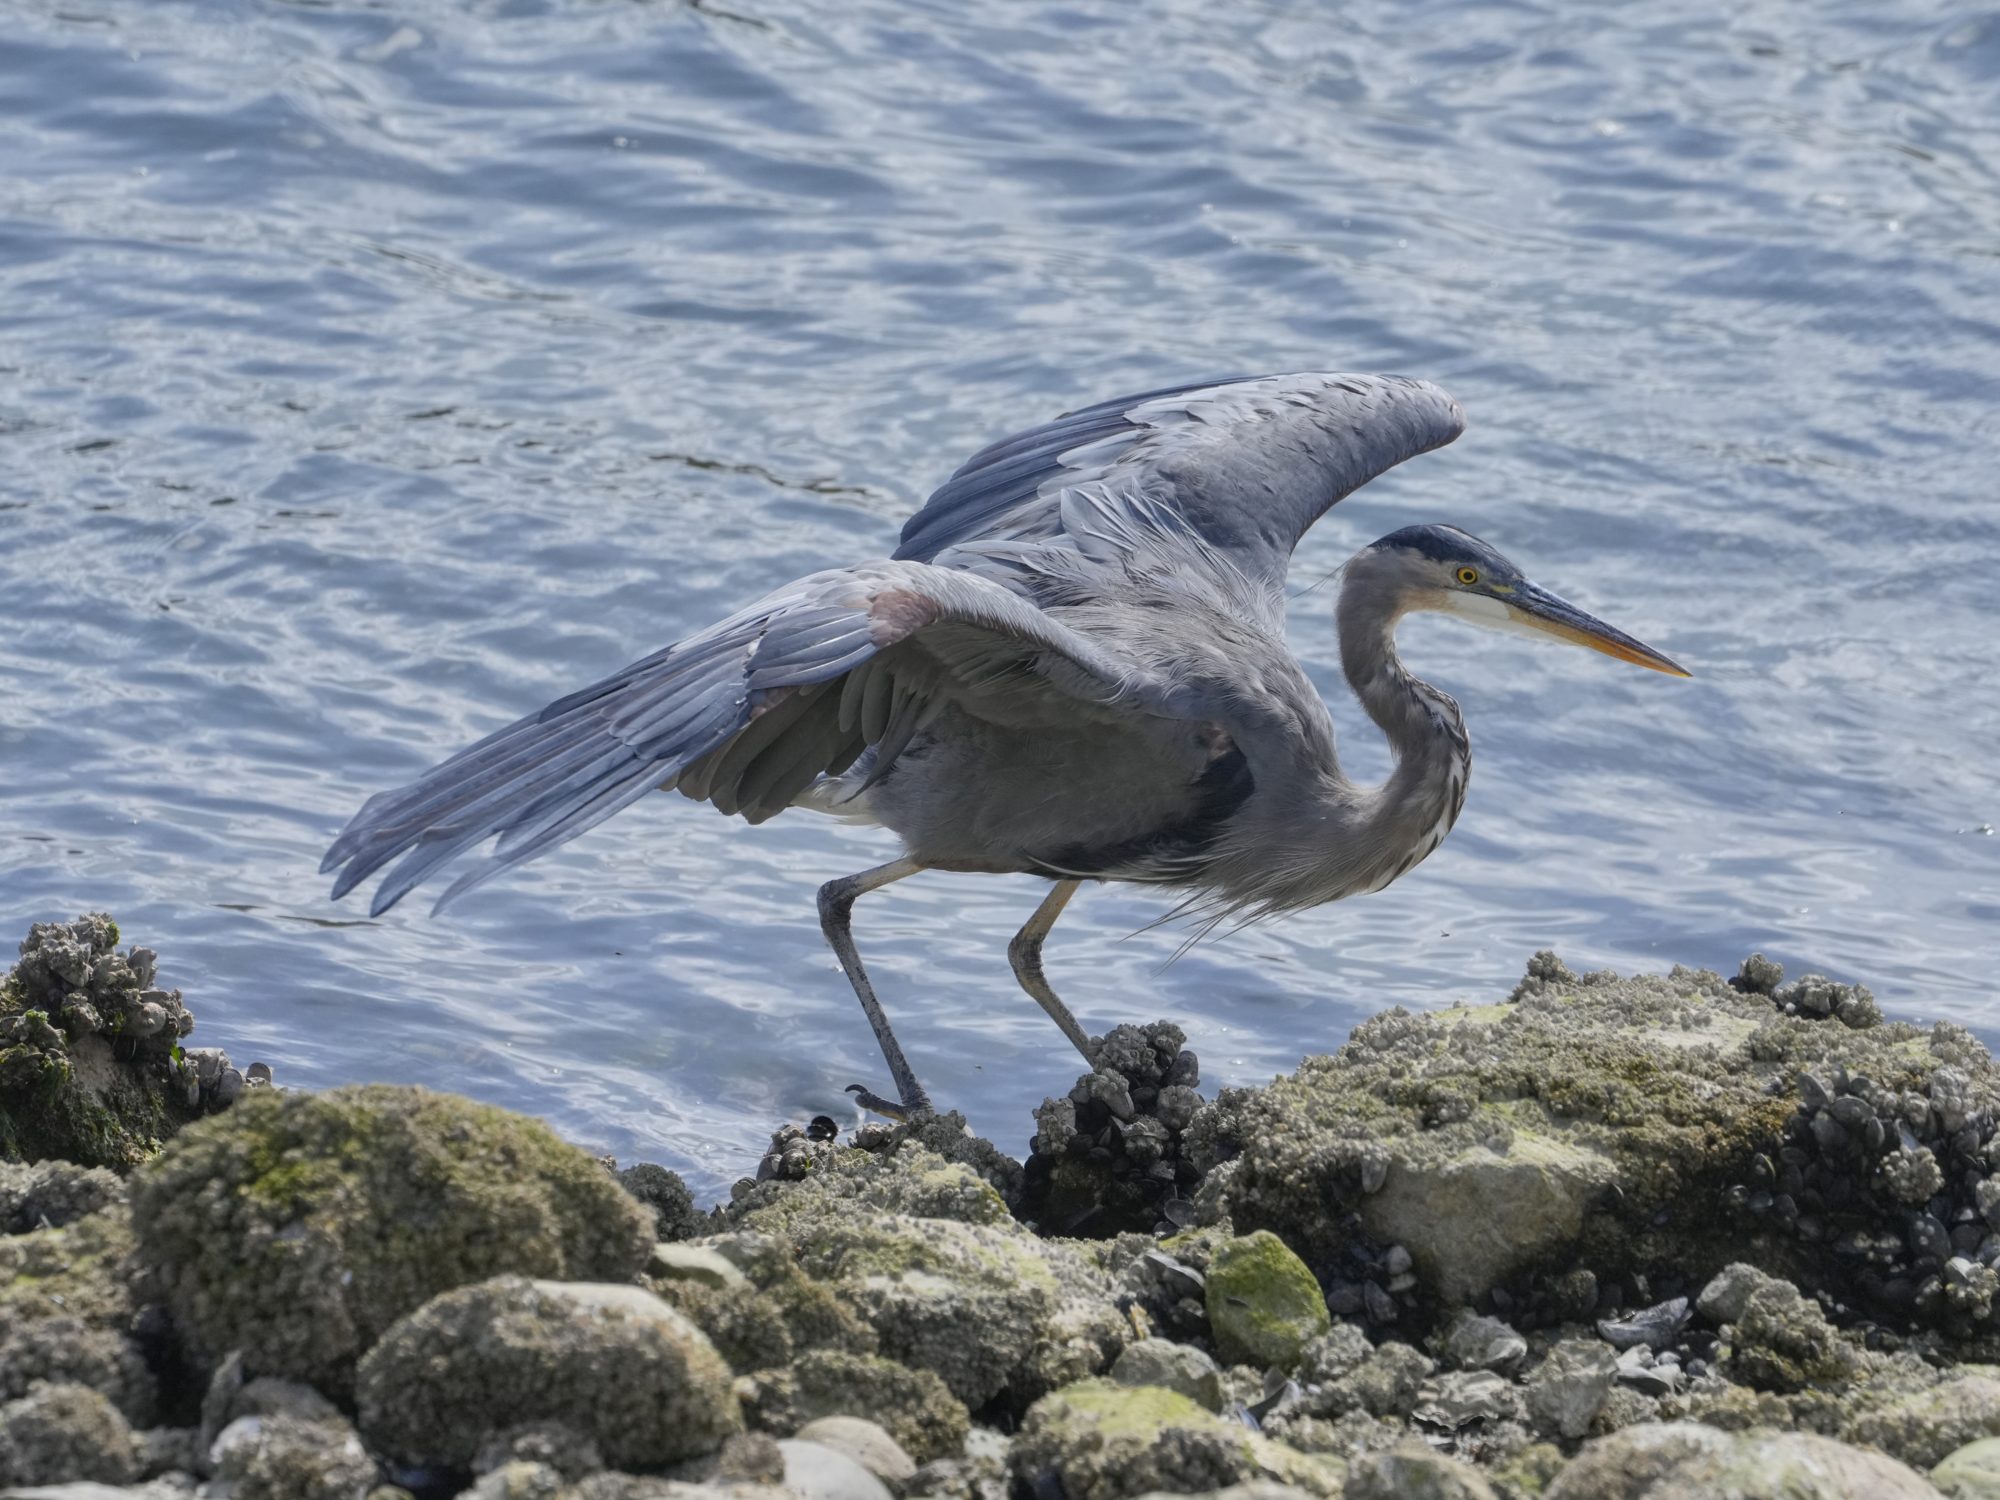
1683,1461
300,1226
1654,1127
915,1407
1925,1427
925,1251
613,1363
92,1069
67,1309
769,1313
1780,1341
909,1179
674,1215
1103,1441
291,1458
61,1433
50,1194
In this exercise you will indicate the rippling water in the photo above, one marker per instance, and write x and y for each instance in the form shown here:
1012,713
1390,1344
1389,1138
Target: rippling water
370,374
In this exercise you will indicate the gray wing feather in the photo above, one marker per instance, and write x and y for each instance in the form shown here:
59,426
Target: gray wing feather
744,715
1247,465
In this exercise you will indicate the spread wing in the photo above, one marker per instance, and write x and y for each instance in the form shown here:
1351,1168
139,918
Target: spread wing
1245,465
746,715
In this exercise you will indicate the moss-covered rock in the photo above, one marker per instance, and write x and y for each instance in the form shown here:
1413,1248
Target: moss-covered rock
914,1407
612,1363
1682,1461
771,1311
298,1227
92,1069
1104,1441
1661,1126
1263,1305
61,1433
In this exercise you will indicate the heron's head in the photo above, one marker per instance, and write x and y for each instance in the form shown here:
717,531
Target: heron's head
1444,569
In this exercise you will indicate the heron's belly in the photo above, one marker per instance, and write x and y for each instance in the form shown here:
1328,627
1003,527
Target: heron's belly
1102,801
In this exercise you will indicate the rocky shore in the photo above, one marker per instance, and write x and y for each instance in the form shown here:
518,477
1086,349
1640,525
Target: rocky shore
1650,1238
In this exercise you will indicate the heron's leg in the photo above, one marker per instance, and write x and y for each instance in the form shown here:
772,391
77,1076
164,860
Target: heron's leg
1025,953
836,909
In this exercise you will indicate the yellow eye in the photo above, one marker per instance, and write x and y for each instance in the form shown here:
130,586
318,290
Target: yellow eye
1468,576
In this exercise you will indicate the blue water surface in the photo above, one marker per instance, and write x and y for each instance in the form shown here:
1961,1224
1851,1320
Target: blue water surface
372,373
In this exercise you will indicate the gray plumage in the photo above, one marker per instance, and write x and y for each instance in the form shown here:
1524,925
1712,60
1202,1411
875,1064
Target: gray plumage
1074,666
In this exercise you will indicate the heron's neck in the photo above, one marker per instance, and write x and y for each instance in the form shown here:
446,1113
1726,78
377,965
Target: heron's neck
1407,816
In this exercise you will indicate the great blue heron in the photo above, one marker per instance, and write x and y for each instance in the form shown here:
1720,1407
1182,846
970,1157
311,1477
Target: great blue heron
1074,666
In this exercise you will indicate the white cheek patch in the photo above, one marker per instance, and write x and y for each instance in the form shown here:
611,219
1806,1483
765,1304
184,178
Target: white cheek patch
1494,614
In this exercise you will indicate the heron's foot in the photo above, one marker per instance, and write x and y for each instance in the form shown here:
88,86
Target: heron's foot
911,1108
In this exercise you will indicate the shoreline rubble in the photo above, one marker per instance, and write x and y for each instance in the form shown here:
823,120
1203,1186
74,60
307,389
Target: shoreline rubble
1649,1238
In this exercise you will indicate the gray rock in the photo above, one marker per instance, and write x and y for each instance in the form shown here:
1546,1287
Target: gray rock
818,1472
1473,1342
613,1363
1729,1291
1174,1367
57,1433
289,1458
1568,1388
865,1442
1637,1369
1971,1472
1684,1461
1413,1472
696,1263
1463,1397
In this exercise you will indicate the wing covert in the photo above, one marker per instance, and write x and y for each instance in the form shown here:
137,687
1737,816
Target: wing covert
1247,465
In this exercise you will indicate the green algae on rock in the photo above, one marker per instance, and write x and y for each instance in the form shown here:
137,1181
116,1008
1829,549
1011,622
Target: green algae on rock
91,1064
340,1212
1263,1305
612,1363
1104,1441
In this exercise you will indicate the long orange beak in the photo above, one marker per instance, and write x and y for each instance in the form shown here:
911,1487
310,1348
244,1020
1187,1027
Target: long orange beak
1537,609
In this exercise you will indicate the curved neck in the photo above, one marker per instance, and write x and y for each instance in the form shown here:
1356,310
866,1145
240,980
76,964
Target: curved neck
1407,816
